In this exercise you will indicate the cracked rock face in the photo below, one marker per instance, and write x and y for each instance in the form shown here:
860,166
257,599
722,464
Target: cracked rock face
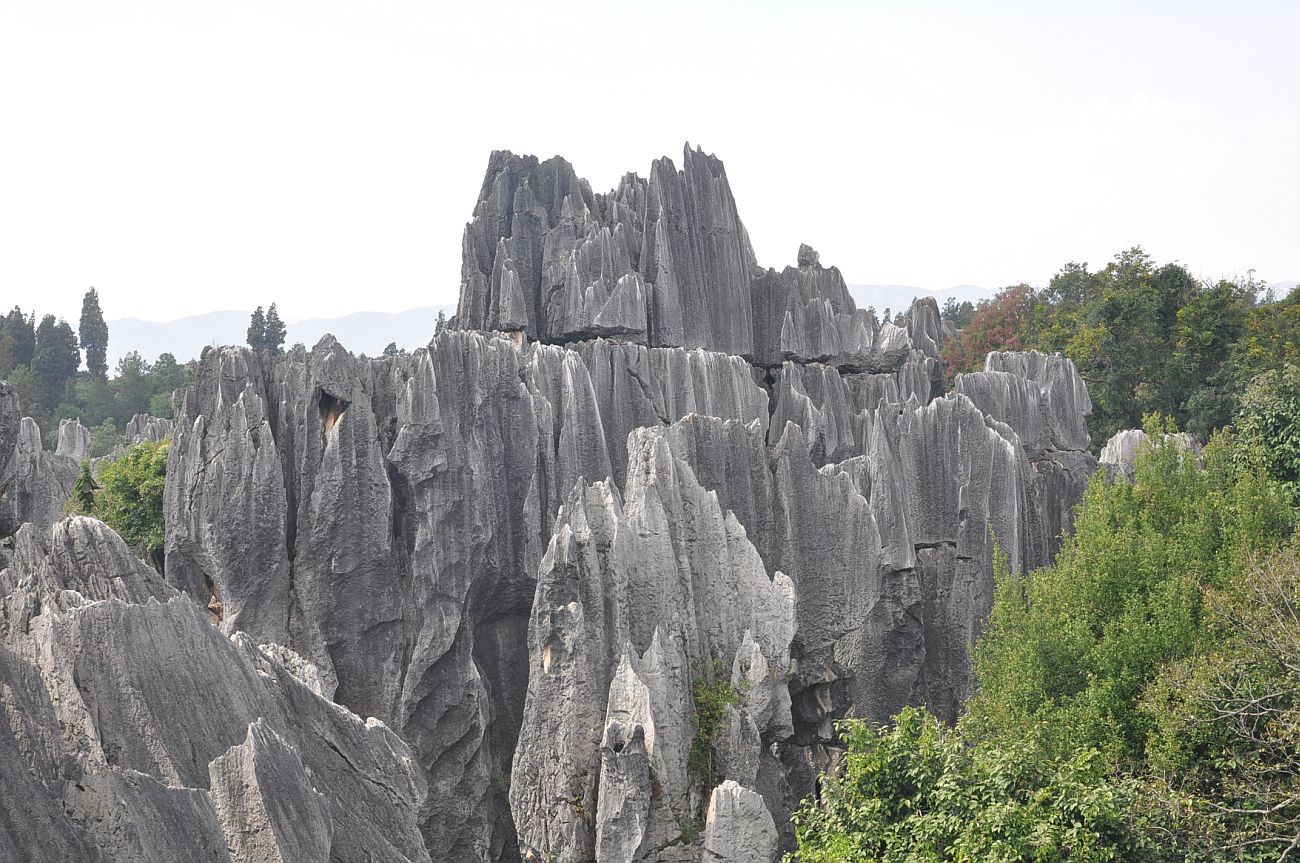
639,477
142,733
36,483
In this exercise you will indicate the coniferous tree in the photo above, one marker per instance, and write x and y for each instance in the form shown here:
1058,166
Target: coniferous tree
390,350
17,340
257,330
440,326
94,335
56,357
275,331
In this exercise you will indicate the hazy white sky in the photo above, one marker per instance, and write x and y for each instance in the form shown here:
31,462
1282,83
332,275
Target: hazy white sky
184,157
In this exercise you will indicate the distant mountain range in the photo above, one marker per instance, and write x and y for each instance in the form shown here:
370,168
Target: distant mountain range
898,298
185,338
369,332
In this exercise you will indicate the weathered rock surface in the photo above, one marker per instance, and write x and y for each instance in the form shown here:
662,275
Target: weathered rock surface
1119,455
637,598
36,483
522,548
662,261
135,730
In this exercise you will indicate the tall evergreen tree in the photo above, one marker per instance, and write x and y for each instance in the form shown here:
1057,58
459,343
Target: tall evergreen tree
275,331
56,358
257,330
94,335
17,340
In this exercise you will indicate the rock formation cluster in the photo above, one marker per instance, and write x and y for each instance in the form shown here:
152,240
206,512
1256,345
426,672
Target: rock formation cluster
602,565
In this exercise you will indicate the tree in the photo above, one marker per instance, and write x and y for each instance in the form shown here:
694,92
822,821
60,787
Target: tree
257,330
996,325
390,350
94,335
83,491
132,387
104,438
56,357
1226,739
440,325
275,331
130,498
17,340
957,313
1069,649
921,792
1268,427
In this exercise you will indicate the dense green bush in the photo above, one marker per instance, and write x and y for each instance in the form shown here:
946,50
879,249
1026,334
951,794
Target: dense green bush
1137,700
921,792
1225,742
128,497
1268,427
1069,648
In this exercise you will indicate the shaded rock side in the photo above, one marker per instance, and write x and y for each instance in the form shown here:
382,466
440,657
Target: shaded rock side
135,730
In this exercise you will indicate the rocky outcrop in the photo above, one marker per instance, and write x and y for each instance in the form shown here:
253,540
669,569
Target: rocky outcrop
34,482
1044,401
137,731
610,557
1119,455
385,519
638,597
662,261
144,427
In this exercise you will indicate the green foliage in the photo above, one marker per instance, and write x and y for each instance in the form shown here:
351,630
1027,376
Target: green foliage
440,324
104,438
1069,648
995,325
56,357
390,350
1268,427
712,693
690,829
83,491
94,335
256,335
1225,744
1145,337
921,792
17,340
958,314
130,499
275,331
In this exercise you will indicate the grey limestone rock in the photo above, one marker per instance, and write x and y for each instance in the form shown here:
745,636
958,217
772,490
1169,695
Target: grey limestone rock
1119,454
662,261
74,441
637,596
144,427
36,483
739,829
147,734
522,549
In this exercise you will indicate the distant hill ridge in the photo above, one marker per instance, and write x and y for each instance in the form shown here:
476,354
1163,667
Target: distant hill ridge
185,338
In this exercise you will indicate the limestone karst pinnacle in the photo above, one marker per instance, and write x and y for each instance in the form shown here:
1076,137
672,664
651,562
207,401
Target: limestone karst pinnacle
453,604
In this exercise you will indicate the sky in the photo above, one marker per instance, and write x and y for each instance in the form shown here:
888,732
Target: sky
186,157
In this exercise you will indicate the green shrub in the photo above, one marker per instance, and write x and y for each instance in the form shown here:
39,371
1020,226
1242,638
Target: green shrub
1069,648
922,792
130,497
